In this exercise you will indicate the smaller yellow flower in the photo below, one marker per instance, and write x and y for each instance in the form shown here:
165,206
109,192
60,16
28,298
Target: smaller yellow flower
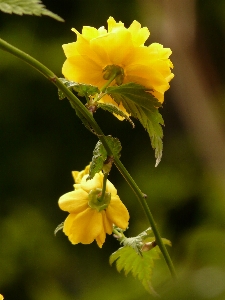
91,216
1,297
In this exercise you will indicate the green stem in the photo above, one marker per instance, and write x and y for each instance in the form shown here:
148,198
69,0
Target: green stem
88,116
108,82
103,187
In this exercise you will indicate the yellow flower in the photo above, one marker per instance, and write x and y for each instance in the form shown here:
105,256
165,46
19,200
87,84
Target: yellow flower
1,297
95,49
91,217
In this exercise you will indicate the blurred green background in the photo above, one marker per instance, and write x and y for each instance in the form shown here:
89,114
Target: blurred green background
42,141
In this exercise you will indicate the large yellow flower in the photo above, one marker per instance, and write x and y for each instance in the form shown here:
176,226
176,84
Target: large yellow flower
95,49
1,297
90,216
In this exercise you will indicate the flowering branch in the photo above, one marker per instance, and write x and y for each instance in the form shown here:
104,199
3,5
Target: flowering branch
97,130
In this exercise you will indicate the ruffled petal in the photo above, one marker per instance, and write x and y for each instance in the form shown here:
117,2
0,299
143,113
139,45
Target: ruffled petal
113,25
82,69
74,202
92,184
117,213
89,32
114,47
70,49
139,35
83,227
147,76
78,175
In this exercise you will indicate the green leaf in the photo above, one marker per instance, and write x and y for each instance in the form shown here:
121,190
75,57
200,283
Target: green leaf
100,155
27,7
140,104
134,92
82,87
98,158
81,117
130,258
83,90
115,145
140,266
115,110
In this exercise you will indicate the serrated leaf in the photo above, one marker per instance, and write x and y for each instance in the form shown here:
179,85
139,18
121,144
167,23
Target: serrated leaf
83,90
139,94
27,7
98,158
133,258
140,104
140,266
100,155
115,110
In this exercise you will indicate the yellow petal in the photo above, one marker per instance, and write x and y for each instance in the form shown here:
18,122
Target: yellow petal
83,70
110,188
117,213
92,184
108,225
83,227
107,228
100,239
70,49
113,47
78,175
89,32
75,201
113,25
139,35
147,76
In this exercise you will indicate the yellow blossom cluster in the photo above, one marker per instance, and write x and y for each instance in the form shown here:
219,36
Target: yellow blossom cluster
90,215
95,49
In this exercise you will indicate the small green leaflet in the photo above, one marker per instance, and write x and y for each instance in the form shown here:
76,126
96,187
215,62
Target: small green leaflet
129,259
100,155
142,105
27,7
83,90
115,110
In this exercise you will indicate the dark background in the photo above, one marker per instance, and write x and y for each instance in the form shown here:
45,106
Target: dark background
42,141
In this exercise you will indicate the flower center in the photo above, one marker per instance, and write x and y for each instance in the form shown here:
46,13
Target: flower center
114,72
96,201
